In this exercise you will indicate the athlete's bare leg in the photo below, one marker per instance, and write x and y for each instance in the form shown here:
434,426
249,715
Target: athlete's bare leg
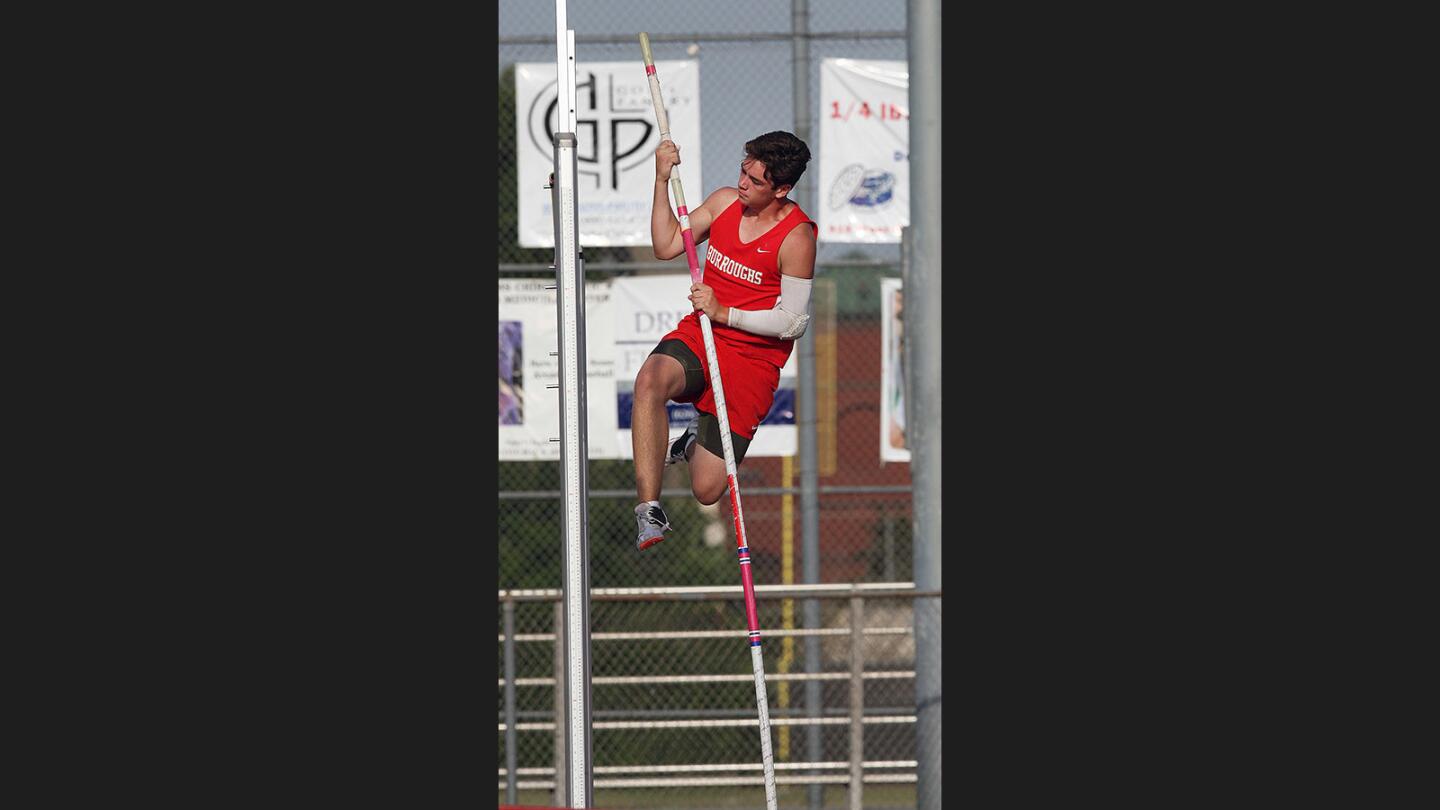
707,474
660,379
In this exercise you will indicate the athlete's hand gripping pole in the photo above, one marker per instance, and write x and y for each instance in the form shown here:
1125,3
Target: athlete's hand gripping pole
746,579
663,119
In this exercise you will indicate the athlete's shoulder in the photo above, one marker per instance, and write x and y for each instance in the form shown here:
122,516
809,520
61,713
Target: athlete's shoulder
722,198
799,235
797,251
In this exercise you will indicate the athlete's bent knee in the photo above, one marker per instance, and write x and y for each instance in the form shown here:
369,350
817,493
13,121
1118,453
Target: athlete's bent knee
654,382
709,496
649,384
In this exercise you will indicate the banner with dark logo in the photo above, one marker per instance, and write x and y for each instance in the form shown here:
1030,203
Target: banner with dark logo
864,150
615,146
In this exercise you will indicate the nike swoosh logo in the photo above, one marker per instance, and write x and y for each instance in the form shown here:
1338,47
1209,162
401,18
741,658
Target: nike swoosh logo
763,250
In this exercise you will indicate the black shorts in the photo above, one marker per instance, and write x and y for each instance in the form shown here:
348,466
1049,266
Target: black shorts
709,430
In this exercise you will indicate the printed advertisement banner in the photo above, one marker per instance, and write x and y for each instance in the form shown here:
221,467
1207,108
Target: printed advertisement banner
615,150
646,309
624,319
864,184
529,411
892,373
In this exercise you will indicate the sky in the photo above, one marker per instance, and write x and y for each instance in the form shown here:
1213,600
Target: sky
528,17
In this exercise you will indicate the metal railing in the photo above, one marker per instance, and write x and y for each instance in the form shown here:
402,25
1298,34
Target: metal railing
860,770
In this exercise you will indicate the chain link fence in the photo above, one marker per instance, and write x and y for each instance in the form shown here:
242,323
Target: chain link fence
673,699
864,505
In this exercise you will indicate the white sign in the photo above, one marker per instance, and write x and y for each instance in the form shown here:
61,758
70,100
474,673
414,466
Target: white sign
529,411
615,146
864,186
624,319
646,309
892,374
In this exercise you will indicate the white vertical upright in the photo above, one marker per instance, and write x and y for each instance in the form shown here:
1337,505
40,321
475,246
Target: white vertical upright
572,97
574,455
564,72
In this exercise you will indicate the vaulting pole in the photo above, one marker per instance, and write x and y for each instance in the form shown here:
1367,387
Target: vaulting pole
746,579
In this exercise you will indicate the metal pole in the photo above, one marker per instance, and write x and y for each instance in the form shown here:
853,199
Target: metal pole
508,608
857,702
558,622
574,455
889,529
800,88
922,382
807,407
574,452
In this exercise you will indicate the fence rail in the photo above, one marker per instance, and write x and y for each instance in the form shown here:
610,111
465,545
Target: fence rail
629,39
774,677
874,489
855,719
874,590
642,635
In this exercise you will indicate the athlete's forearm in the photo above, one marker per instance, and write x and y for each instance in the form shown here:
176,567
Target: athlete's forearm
786,320
664,226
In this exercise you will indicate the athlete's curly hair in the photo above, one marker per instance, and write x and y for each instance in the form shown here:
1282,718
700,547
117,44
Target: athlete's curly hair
783,154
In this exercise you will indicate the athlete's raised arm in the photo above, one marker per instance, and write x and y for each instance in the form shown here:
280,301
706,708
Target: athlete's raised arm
664,225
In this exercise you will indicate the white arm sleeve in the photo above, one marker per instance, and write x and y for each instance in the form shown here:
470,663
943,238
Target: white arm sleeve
787,320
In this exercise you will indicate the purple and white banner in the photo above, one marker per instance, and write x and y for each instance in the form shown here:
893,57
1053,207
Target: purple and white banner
863,191
529,411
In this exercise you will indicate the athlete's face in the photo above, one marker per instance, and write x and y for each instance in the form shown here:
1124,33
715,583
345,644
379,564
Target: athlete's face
755,190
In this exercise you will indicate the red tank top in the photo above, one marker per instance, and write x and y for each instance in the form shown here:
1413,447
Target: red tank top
746,275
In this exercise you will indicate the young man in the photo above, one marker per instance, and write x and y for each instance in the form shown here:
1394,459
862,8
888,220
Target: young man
756,291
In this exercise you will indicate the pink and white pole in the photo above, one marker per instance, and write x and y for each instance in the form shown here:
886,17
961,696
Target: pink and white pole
746,578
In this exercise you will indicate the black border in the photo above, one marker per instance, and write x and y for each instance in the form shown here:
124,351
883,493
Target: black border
313,412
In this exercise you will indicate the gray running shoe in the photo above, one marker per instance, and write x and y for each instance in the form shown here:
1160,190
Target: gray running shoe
652,524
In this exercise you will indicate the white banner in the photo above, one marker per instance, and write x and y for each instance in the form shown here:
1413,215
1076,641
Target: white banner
529,411
624,319
615,146
646,309
892,374
864,183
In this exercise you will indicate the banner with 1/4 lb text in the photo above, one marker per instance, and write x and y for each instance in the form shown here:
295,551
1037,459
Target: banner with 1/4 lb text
863,191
